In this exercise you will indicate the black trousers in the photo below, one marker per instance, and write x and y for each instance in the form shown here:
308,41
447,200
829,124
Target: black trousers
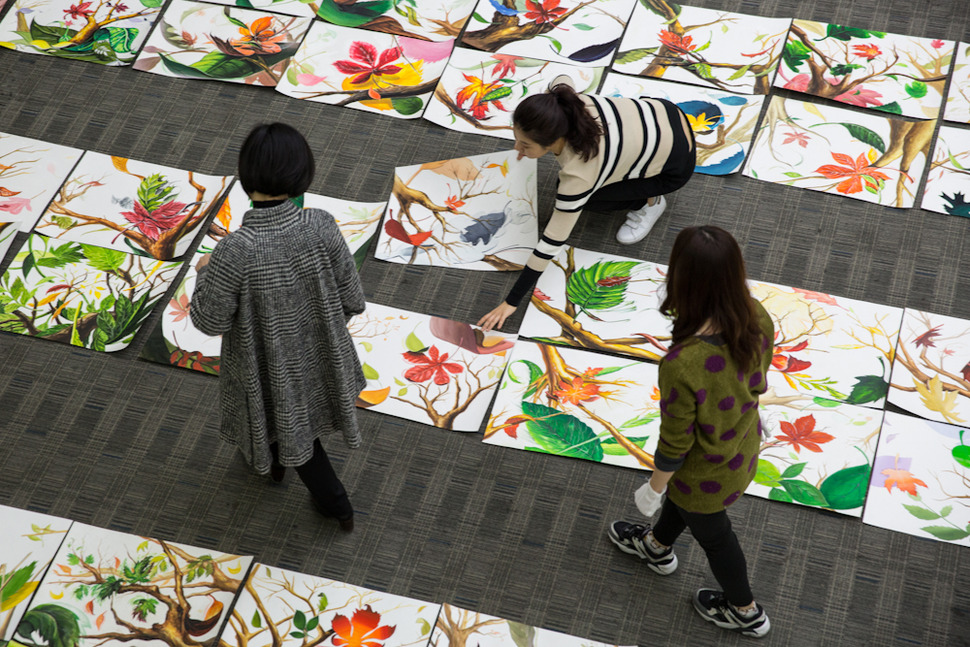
320,478
713,532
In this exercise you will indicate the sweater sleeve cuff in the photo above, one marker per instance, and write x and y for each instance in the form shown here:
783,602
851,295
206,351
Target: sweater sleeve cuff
522,286
665,464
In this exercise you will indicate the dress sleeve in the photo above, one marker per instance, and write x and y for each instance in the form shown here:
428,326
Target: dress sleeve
678,412
550,243
345,272
217,288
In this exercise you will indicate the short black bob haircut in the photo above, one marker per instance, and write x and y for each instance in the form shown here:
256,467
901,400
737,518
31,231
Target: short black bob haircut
275,159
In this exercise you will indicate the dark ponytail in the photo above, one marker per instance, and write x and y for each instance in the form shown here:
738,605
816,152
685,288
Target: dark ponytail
560,112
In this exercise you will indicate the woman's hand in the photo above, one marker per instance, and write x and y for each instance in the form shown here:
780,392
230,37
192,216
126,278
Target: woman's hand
496,317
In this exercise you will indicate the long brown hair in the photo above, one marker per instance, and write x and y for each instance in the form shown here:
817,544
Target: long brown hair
560,112
706,282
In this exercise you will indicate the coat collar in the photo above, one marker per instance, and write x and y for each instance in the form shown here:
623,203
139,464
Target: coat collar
273,216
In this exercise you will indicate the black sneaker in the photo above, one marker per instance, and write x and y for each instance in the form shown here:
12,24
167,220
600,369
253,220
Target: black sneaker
714,607
631,538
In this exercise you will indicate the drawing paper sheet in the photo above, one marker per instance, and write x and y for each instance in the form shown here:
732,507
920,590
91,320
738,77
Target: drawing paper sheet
31,171
901,75
477,213
99,575
8,232
433,20
131,206
948,183
195,40
838,151
80,294
921,480
568,31
958,99
28,542
367,70
728,51
723,123
306,608
479,91
579,404
931,375
428,369
97,31
819,454
304,8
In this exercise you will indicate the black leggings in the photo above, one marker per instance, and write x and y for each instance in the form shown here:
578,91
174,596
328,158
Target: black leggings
713,532
320,478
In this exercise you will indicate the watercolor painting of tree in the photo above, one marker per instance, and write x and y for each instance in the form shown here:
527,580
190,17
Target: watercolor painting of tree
428,369
479,91
302,8
822,148
28,542
731,52
108,32
280,608
107,587
921,480
723,123
477,213
131,206
195,40
901,75
438,20
577,32
948,181
958,98
392,75
31,171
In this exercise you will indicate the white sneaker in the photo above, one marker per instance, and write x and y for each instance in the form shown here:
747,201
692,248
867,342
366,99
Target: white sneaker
639,223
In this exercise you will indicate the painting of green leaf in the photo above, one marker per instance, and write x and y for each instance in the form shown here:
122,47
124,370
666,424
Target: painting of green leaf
921,480
28,542
30,173
947,187
958,97
80,294
867,157
201,41
97,31
579,404
280,608
900,75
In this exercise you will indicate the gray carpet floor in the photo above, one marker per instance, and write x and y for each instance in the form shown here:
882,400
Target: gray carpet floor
111,440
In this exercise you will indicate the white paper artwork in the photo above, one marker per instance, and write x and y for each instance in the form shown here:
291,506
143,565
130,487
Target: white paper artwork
31,171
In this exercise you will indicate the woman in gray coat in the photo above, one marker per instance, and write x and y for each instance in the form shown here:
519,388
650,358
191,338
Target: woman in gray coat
280,290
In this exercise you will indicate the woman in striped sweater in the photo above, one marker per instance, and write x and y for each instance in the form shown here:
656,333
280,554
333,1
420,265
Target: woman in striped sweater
613,153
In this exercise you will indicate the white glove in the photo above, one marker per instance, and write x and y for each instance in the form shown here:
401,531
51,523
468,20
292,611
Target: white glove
648,501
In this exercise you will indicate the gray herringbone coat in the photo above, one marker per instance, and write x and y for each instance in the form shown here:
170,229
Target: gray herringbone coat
280,291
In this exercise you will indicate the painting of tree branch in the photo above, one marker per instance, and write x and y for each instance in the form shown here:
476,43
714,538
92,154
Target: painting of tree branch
723,123
921,480
131,206
30,173
577,32
110,587
201,41
819,454
900,75
728,51
108,32
948,181
476,213
479,91
958,99
821,148
280,608
431,20
80,294
303,8
392,75
579,404
28,542
428,369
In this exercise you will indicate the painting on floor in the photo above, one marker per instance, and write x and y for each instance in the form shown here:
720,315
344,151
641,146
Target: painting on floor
476,213
818,147
728,51
304,8
818,454
921,480
428,369
578,33
28,542
131,206
280,608
106,586
958,97
479,91
579,404
948,182
195,40
31,171
80,294
8,232
723,123
97,31
442,20
392,75
900,75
